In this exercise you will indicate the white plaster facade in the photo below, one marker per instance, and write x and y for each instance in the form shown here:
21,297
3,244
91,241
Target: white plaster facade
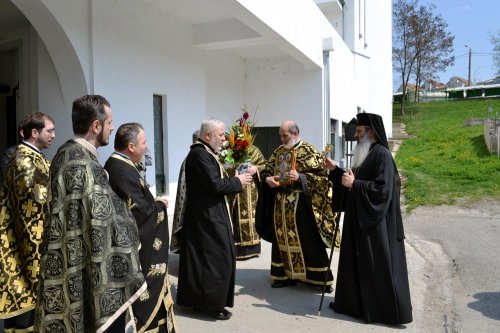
205,58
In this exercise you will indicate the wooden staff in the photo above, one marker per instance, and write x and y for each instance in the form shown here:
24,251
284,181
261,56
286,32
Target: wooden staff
337,221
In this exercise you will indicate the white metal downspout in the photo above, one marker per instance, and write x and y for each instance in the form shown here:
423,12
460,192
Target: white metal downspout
326,97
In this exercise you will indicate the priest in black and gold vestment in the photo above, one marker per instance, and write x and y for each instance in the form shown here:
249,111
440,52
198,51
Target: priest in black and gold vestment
153,310
23,202
294,212
90,272
243,206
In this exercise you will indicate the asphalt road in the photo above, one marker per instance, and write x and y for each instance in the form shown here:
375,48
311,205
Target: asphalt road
461,248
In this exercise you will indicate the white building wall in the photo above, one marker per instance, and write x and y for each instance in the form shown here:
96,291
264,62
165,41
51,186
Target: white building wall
156,57
224,84
298,21
50,99
46,17
130,50
373,66
75,19
283,90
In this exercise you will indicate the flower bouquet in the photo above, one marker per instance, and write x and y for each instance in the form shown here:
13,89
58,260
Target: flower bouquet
236,150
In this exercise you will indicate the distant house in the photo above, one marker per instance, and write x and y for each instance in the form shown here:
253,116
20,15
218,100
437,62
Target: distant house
409,87
397,97
431,90
456,82
432,85
484,89
495,80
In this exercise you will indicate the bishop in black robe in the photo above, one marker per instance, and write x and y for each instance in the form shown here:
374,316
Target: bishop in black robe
372,278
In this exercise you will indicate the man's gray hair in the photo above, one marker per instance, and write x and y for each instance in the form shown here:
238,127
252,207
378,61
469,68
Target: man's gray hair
294,128
196,135
210,125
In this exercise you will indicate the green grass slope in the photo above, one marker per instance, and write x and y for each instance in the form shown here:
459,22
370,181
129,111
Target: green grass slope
446,160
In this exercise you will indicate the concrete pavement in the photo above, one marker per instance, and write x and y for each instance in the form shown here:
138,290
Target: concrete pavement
260,308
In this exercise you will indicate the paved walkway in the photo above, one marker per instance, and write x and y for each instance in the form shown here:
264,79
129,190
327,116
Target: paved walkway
260,308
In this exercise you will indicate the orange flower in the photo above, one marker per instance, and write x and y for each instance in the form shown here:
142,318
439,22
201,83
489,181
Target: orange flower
239,141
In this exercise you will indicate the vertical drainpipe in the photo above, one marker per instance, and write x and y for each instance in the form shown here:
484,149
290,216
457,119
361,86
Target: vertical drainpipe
327,48
365,44
326,96
91,46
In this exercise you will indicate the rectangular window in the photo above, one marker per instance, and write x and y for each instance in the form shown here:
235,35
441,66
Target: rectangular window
159,158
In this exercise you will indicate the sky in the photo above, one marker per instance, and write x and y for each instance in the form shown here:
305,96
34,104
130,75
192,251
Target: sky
471,22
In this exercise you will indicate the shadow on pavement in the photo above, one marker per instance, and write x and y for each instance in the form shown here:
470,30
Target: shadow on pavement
488,303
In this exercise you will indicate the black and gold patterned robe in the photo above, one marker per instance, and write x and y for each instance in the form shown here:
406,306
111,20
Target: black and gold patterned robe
23,202
154,310
179,210
90,270
300,219
246,238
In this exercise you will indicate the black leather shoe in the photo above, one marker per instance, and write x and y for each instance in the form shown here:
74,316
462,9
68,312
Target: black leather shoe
332,305
329,289
283,283
222,314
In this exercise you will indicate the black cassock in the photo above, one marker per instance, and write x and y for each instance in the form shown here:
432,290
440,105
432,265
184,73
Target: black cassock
207,262
372,278
154,308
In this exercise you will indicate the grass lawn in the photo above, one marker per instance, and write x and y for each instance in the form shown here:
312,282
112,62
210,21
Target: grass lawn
445,160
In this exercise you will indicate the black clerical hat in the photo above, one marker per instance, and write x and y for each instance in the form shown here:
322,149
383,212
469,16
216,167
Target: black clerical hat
376,123
363,119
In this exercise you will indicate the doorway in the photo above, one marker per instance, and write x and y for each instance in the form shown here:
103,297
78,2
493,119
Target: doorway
9,93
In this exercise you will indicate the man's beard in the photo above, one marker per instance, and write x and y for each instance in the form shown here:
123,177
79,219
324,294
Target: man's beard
100,139
360,151
290,144
215,144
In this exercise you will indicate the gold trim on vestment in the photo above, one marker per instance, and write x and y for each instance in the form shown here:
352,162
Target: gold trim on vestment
19,330
287,235
122,308
167,302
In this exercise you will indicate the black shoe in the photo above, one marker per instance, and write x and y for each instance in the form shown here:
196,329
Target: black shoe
332,306
328,289
283,283
222,314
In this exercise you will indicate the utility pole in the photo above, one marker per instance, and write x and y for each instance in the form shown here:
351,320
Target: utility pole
470,61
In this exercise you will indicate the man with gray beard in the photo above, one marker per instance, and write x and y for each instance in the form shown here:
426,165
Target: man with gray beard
294,212
372,278
360,151
207,262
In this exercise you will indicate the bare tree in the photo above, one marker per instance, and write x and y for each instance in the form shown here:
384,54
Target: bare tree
436,44
404,47
495,40
421,45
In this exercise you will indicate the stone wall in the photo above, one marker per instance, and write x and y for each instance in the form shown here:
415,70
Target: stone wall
491,135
